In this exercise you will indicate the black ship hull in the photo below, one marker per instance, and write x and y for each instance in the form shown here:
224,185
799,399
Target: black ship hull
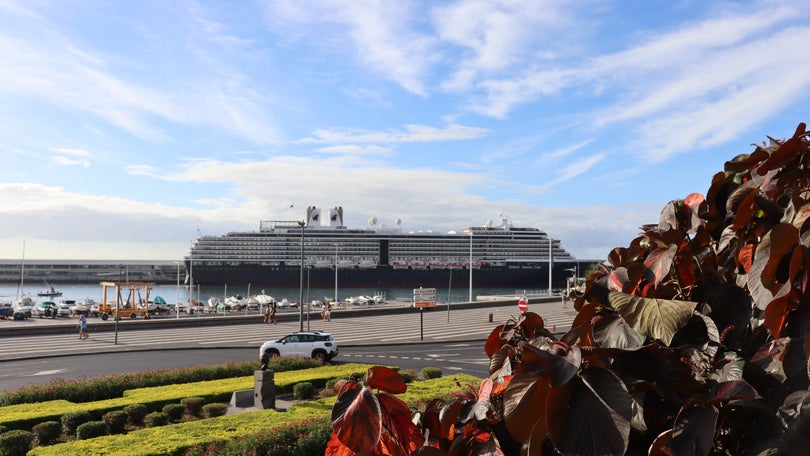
519,276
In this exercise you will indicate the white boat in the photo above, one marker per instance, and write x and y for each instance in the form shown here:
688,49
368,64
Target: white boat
235,302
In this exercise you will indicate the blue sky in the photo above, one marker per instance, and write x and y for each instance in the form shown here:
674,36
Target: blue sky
126,128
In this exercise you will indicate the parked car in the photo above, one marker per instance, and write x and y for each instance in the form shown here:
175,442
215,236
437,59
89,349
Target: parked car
310,344
6,310
44,309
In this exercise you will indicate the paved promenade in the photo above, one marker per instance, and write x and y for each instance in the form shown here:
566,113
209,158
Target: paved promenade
59,337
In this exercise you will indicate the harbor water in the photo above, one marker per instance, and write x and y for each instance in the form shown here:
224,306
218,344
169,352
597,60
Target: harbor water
172,293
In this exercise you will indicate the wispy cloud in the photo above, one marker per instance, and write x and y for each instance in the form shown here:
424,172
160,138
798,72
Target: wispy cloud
411,133
357,150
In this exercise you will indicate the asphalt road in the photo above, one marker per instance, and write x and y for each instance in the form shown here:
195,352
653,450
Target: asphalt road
448,356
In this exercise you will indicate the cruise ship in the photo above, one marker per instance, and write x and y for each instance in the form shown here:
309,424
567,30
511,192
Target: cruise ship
492,255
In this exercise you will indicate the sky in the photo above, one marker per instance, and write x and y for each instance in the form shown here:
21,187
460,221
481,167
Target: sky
128,128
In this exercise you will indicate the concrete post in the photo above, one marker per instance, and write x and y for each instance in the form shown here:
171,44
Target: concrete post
264,390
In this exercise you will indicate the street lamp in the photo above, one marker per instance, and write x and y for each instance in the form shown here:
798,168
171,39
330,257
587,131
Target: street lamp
470,266
178,289
301,285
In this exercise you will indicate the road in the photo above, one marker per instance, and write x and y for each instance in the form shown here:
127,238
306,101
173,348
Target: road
452,341
450,357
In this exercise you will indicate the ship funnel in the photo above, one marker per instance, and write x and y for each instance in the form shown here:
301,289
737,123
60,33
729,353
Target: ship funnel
313,216
336,216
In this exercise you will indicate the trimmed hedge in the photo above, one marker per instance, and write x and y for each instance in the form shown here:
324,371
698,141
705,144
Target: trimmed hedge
174,411
16,443
116,421
177,438
303,390
113,386
193,405
48,432
91,429
24,416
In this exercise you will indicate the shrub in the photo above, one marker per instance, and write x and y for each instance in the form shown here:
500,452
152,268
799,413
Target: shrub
307,437
431,372
409,375
116,420
15,443
3,429
136,413
214,409
193,405
156,419
303,390
91,429
47,432
330,383
72,420
175,411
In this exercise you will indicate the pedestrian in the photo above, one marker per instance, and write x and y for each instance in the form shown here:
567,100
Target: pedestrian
327,313
267,314
83,328
273,312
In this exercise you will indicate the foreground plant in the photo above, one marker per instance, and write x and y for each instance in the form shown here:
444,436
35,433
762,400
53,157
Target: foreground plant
692,340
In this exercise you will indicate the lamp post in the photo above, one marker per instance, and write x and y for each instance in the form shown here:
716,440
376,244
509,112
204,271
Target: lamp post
336,275
301,285
308,271
177,307
470,266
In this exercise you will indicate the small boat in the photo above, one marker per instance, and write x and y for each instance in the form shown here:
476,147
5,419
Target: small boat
52,293
399,265
418,265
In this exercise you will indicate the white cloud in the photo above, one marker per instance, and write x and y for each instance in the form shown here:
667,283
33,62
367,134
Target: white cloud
67,161
411,133
357,150
71,152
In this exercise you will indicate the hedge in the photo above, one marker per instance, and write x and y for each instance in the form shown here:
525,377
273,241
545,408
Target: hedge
175,439
24,416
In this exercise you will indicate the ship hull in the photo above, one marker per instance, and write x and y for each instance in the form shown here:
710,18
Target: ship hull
520,276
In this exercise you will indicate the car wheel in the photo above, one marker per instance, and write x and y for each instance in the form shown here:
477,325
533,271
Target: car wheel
104,317
319,355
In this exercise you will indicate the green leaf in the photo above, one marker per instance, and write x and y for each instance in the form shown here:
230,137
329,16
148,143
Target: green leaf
656,318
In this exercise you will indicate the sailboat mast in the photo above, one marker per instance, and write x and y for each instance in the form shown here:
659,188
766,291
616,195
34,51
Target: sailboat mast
20,292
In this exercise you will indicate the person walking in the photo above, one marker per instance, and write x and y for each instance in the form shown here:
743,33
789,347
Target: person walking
273,312
83,328
327,313
267,314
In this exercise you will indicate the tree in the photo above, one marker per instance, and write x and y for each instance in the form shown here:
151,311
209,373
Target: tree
691,340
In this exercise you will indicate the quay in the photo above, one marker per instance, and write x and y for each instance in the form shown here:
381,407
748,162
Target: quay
91,271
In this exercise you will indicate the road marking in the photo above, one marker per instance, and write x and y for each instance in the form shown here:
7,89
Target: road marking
48,372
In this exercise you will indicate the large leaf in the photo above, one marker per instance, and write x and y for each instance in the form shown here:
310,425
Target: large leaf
785,153
611,331
655,318
385,379
397,421
524,403
557,362
693,431
357,419
590,415
658,263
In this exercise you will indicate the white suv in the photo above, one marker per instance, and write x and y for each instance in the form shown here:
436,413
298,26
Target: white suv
310,344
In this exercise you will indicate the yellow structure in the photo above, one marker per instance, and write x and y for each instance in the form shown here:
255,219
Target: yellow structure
126,308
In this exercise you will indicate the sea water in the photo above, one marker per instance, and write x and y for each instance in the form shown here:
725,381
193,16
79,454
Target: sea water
173,293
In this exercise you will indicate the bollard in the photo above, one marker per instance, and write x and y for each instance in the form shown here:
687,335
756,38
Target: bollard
490,318
553,329
264,390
